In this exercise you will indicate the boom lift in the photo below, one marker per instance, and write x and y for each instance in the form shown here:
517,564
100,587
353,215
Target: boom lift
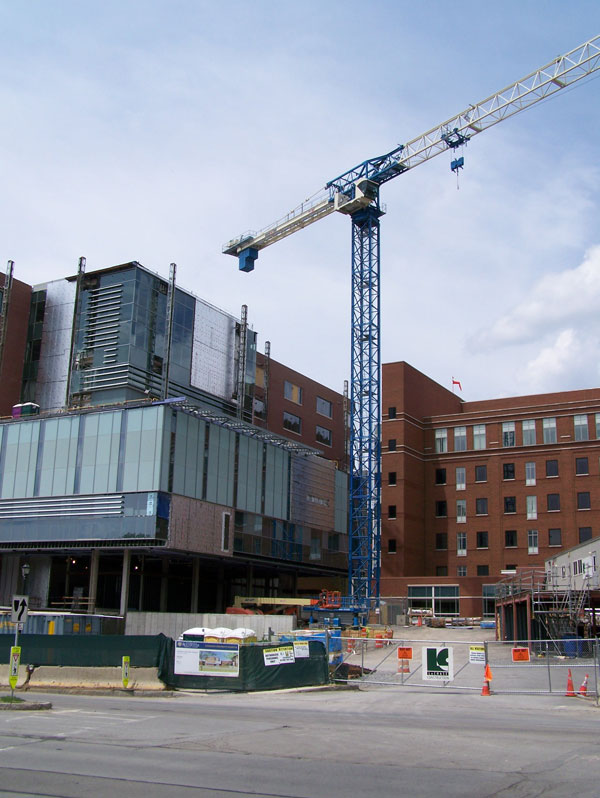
356,194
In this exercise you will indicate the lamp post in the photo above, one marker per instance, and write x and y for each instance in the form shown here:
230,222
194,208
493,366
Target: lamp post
25,569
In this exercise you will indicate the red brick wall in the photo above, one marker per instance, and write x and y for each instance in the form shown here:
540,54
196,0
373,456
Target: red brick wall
11,374
277,403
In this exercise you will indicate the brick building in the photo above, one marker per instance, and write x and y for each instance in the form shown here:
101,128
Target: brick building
473,490
291,404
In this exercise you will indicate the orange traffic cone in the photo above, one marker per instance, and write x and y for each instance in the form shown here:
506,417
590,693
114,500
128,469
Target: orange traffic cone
486,681
419,621
583,688
403,666
570,690
350,646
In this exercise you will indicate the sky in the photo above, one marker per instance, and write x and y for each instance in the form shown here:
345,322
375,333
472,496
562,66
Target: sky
158,130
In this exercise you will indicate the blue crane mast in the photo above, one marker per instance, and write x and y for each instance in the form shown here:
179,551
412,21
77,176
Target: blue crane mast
356,194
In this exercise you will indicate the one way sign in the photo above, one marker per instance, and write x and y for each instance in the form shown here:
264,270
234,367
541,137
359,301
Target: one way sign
20,608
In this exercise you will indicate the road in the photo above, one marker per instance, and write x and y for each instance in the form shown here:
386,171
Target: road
303,744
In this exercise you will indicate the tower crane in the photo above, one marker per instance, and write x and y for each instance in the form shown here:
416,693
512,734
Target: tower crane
356,194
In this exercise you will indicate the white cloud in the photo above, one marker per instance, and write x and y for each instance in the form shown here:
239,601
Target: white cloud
567,298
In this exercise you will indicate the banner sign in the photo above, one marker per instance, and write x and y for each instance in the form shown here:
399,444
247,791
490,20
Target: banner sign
282,655
195,658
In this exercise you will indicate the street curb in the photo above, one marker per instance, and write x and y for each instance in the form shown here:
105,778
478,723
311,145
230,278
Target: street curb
26,705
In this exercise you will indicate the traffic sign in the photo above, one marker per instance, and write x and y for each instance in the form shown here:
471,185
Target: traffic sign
20,609
125,670
15,659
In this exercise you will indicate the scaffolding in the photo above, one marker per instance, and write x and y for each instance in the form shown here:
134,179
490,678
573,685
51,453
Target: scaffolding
555,608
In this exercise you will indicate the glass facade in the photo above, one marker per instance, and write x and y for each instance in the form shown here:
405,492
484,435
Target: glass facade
108,475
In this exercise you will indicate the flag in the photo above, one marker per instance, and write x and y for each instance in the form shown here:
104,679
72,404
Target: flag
456,382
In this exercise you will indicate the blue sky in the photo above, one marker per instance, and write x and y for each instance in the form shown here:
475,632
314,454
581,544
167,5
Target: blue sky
156,131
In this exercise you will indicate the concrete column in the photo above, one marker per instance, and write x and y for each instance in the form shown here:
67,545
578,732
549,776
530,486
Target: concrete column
219,598
249,579
125,582
9,578
195,584
164,585
93,583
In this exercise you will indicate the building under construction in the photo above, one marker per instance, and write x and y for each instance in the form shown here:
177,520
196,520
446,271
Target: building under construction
557,602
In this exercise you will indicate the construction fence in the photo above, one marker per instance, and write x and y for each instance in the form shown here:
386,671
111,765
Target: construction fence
564,667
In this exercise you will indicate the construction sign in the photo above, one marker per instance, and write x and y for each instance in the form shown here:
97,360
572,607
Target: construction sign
405,653
520,655
15,659
438,664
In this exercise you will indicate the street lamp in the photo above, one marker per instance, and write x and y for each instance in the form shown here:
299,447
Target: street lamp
25,568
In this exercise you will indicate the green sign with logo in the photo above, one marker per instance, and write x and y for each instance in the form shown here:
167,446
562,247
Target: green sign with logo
438,663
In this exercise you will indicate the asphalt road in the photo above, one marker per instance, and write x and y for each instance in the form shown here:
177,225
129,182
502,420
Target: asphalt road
303,744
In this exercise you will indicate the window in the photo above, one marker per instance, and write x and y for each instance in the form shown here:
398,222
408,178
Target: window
225,531
510,538
530,473
483,570
292,392
597,419
581,466
441,509
324,407
508,471
510,504
461,544
511,567
460,439
440,476
441,440
391,511
583,500
531,507
441,570
479,436
585,533
553,502
391,412
551,468
554,537
441,541
461,511
481,506
508,433
549,427
440,599
481,473
532,541
461,478
333,542
392,445
391,477
482,540
292,422
392,546
528,432
315,546
323,435
580,422
461,570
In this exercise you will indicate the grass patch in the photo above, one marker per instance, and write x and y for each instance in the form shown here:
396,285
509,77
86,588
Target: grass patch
11,699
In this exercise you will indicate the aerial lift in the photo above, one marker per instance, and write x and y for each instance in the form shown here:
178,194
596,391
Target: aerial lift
356,194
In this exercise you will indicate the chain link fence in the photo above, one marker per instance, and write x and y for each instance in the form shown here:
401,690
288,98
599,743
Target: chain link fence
567,667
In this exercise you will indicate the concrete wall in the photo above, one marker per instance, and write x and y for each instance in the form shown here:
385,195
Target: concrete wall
172,624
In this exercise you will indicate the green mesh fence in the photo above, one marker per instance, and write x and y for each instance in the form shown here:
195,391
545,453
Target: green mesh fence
88,650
